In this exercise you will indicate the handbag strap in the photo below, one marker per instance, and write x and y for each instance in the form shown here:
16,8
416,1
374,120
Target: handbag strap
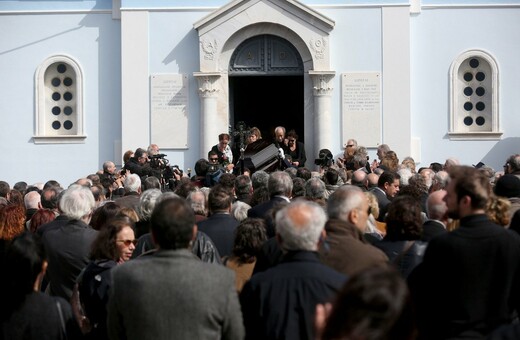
62,320
407,246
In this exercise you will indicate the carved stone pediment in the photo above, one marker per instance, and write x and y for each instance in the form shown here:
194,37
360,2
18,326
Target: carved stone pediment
223,30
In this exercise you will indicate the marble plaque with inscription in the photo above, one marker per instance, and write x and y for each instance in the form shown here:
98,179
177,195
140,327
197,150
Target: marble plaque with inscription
169,110
361,108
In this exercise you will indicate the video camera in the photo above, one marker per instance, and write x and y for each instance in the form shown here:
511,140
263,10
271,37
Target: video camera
158,161
212,168
164,171
325,158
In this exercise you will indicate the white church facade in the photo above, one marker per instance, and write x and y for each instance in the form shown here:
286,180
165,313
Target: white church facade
84,81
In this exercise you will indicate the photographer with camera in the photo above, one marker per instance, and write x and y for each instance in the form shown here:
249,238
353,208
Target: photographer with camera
325,159
169,176
112,180
138,164
215,169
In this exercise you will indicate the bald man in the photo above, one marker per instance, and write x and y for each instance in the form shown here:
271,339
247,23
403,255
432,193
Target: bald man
437,212
372,179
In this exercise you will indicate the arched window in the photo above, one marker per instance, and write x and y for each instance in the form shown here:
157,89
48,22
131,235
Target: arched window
474,97
59,101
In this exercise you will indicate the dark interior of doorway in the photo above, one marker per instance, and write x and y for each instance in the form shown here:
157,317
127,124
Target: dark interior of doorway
267,102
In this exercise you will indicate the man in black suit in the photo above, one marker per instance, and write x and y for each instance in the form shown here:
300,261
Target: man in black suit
280,302
437,212
280,187
467,284
220,225
387,188
68,247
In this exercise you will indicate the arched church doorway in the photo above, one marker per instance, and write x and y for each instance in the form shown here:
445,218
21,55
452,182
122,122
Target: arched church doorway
266,87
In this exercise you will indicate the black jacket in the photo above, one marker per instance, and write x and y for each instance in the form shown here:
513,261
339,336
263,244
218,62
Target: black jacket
203,247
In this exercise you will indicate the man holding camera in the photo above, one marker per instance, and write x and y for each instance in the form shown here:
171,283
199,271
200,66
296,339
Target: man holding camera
138,164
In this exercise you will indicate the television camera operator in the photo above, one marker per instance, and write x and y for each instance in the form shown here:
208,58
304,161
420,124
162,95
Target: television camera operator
168,175
325,160
157,165
138,164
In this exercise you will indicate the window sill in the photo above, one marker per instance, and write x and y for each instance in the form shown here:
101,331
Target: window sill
474,135
71,139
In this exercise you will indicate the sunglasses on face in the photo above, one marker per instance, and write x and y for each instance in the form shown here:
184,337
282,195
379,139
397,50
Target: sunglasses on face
128,242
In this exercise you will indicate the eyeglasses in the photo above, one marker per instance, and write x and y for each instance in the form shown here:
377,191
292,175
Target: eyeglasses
349,146
213,159
505,165
128,242
292,140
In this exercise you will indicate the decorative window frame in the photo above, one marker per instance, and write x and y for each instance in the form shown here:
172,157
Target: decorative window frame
42,115
456,87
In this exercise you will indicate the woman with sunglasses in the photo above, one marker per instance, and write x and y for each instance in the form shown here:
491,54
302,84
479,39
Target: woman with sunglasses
114,245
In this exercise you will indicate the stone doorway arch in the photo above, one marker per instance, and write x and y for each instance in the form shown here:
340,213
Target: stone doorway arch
223,31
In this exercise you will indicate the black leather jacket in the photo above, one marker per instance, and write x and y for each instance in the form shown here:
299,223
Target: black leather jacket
405,255
203,247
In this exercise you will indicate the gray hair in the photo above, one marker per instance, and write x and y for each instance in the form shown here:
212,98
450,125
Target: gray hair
280,183
132,183
77,202
405,174
279,128
260,178
291,171
300,224
452,161
441,178
343,201
384,148
315,188
360,158
147,203
435,207
198,201
514,162
239,210
106,165
353,141
428,175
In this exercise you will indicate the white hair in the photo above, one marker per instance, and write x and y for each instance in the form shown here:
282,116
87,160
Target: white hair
77,202
405,174
132,183
198,202
147,203
239,210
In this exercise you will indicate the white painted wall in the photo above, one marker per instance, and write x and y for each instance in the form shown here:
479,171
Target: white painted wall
439,35
25,42
168,44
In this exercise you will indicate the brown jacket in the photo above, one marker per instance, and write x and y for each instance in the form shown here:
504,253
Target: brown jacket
346,251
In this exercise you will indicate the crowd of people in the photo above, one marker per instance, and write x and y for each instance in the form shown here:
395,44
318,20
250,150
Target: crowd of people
353,250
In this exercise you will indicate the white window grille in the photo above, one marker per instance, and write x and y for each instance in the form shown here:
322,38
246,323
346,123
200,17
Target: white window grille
59,101
474,97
